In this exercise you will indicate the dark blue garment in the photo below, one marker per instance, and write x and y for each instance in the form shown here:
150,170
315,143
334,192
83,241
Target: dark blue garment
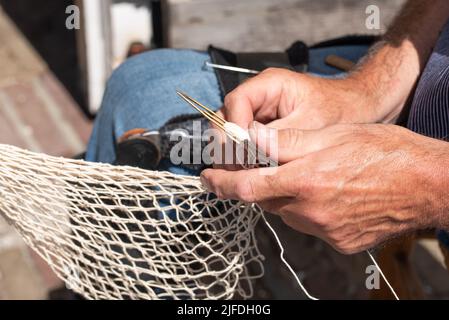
429,114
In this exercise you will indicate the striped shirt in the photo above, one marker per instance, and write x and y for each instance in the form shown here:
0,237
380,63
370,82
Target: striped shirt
429,114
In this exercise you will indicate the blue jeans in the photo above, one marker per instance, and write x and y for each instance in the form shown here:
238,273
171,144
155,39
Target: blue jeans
142,93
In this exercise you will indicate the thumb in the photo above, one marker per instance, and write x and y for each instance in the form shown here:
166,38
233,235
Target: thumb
285,145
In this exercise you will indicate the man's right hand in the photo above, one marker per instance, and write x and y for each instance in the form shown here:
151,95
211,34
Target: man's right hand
376,92
287,99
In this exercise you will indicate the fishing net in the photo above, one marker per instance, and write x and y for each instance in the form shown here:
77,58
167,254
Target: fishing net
113,232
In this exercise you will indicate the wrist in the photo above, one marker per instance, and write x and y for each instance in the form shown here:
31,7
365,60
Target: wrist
433,168
387,76
442,180
361,104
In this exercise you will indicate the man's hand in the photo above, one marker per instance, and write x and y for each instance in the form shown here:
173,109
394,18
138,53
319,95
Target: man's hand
286,99
353,186
375,92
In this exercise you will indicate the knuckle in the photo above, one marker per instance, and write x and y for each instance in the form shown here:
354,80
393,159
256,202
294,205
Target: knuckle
213,186
245,191
205,178
349,249
336,239
229,99
219,194
294,138
273,71
269,74
346,250
269,70
342,244
322,221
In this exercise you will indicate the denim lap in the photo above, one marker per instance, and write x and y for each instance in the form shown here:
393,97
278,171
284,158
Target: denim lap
141,93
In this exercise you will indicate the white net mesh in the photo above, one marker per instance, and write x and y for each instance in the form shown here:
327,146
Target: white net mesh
124,233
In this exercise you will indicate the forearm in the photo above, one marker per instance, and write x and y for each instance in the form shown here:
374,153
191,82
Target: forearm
392,68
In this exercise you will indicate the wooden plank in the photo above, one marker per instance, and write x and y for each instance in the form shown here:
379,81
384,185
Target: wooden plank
36,113
32,112
18,60
69,108
8,134
19,127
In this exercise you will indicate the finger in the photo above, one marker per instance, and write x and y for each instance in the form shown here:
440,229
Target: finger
256,98
238,108
224,156
217,141
287,144
249,186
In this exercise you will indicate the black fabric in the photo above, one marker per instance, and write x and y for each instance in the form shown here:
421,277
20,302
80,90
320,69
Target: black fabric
350,40
227,81
260,61
179,119
139,153
298,56
295,58
197,140
146,152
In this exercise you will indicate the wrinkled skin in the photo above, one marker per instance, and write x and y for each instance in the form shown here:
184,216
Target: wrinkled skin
353,186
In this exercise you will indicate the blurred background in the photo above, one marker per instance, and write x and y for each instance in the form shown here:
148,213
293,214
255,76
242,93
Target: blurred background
52,80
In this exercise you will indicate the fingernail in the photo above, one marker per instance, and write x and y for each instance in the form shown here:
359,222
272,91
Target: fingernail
257,131
205,183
